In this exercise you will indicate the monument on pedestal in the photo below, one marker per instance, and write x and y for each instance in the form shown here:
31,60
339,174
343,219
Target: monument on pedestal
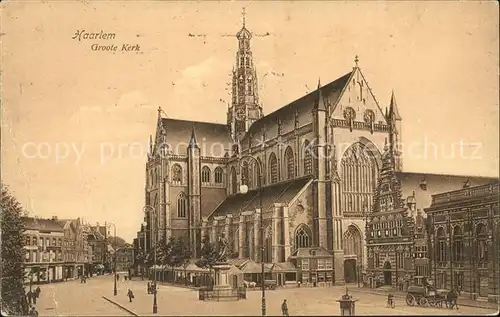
221,267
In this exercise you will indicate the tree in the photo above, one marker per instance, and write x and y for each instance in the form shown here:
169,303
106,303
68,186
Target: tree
167,254
208,255
13,255
181,254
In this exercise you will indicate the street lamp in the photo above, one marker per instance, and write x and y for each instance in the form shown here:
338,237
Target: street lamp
153,236
357,274
115,292
244,190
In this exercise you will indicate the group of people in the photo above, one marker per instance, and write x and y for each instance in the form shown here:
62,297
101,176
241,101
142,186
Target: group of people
30,299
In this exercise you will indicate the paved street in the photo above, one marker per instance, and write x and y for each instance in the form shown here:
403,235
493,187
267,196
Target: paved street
301,301
75,299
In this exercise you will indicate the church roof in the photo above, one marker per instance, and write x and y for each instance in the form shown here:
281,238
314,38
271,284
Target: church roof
276,193
304,106
213,138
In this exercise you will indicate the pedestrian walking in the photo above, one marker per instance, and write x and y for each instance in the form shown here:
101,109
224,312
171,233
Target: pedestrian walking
29,297
149,288
284,308
130,295
38,291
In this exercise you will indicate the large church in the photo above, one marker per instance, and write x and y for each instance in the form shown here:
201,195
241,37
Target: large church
310,167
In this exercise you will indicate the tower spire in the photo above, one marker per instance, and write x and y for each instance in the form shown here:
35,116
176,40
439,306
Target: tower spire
244,109
243,14
192,140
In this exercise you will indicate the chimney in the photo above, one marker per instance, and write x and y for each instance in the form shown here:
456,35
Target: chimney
54,218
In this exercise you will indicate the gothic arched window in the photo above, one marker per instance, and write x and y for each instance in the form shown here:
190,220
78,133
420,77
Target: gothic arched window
307,155
458,244
181,206
482,244
273,169
176,174
219,175
234,181
268,252
205,175
303,237
290,163
245,173
256,177
352,242
441,245
359,176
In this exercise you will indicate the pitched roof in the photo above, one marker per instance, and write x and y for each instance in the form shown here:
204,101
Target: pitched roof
303,106
235,270
284,267
276,193
42,224
251,268
213,138
237,262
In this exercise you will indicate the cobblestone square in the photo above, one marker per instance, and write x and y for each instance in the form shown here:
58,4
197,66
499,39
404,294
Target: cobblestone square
73,298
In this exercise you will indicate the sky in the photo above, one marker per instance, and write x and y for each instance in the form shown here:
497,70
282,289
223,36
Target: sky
76,122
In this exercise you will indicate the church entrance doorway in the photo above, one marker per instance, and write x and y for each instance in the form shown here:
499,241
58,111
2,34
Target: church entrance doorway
350,271
387,273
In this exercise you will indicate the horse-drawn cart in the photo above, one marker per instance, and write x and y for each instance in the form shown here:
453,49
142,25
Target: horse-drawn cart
426,296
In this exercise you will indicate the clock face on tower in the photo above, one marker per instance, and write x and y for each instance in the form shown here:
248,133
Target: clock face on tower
240,114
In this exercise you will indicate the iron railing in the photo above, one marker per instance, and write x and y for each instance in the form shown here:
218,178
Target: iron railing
206,294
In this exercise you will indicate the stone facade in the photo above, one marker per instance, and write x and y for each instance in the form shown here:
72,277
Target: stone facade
314,163
44,250
390,232
464,232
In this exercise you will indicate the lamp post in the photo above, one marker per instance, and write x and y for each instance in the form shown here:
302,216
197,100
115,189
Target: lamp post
244,190
115,292
357,274
153,236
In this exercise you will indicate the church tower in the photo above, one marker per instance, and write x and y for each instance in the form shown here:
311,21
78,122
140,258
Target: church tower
244,109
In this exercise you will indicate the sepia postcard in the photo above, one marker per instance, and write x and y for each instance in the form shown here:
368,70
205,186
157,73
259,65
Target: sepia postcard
249,158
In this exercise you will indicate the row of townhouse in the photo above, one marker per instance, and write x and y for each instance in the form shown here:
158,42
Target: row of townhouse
56,249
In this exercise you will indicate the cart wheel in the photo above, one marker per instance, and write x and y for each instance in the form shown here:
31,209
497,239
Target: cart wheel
410,300
423,302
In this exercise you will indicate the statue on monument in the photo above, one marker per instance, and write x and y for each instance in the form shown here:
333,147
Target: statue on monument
222,245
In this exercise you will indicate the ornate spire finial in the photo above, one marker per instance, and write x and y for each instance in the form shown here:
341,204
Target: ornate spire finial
319,82
356,60
159,111
243,15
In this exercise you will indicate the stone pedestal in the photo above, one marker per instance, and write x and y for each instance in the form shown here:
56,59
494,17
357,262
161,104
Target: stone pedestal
221,273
